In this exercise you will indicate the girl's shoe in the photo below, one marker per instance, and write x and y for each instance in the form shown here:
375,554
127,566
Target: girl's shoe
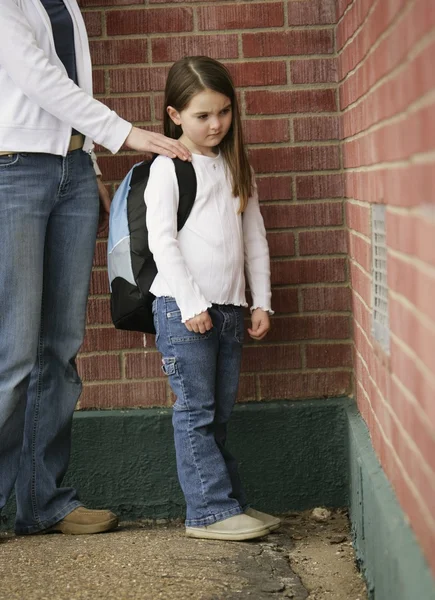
237,528
269,521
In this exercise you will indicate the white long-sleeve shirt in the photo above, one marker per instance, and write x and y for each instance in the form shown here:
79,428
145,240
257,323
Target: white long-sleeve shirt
204,263
39,104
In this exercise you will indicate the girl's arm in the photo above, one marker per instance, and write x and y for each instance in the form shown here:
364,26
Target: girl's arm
257,261
161,198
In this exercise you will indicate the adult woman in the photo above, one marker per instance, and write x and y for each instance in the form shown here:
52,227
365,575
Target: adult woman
48,222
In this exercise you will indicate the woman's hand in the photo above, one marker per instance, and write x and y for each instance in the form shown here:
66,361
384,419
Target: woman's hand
103,194
201,323
148,141
260,324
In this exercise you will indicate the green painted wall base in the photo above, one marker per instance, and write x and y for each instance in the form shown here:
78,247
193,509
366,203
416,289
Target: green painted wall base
387,551
292,456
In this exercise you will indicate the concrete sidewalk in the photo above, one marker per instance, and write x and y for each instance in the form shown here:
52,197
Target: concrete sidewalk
142,561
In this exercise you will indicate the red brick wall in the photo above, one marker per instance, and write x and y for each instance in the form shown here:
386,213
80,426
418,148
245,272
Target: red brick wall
281,54
386,50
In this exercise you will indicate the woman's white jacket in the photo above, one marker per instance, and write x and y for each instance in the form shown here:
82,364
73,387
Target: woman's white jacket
39,104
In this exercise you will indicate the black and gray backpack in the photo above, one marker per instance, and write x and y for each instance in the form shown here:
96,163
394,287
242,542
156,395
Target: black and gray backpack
130,262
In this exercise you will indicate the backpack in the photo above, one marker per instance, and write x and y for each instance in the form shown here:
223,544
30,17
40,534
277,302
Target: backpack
130,263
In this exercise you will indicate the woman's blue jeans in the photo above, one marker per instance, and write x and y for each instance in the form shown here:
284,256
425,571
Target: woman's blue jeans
203,371
48,223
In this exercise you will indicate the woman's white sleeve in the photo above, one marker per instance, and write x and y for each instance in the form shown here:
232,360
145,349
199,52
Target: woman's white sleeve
257,261
161,198
49,87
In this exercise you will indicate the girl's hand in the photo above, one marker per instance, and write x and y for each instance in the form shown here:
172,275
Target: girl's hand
260,324
148,141
200,324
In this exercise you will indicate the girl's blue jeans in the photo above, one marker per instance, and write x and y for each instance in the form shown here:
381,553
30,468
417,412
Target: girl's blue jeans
48,222
203,371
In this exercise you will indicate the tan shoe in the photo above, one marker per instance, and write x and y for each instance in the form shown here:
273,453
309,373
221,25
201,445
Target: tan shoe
237,528
269,521
84,520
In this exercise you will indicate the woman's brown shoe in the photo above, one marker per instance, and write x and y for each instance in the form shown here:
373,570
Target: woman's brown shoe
85,521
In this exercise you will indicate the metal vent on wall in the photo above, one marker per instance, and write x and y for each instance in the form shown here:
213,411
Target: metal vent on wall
380,325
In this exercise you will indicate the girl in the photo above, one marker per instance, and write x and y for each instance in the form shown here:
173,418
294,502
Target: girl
200,292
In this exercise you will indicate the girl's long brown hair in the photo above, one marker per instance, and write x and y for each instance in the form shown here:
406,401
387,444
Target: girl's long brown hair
194,74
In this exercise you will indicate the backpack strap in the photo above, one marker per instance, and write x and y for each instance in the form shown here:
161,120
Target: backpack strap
187,186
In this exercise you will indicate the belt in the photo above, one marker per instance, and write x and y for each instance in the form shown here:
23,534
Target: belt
76,142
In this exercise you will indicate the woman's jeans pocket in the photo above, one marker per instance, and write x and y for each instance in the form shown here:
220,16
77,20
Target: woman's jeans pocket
9,160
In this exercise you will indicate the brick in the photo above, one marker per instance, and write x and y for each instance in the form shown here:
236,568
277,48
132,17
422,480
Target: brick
351,21
167,49
358,218
320,186
341,6
116,52
360,251
116,167
328,355
412,283
132,108
100,255
414,378
335,299
316,129
301,158
108,338
98,83
332,270
322,242
109,3
262,102
98,368
393,48
99,282
285,300
274,188
148,79
152,20
315,70
412,234
270,358
299,386
98,311
258,73
93,23
362,315
306,215
361,282
311,12
309,327
266,131
288,43
124,395
240,16
415,422
143,365
247,390
281,243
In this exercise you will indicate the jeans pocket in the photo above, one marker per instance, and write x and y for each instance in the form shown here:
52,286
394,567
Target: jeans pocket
178,332
168,365
9,160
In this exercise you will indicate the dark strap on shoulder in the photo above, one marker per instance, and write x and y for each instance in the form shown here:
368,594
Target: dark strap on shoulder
187,186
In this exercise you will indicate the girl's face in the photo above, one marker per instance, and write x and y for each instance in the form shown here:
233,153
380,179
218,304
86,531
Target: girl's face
205,121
